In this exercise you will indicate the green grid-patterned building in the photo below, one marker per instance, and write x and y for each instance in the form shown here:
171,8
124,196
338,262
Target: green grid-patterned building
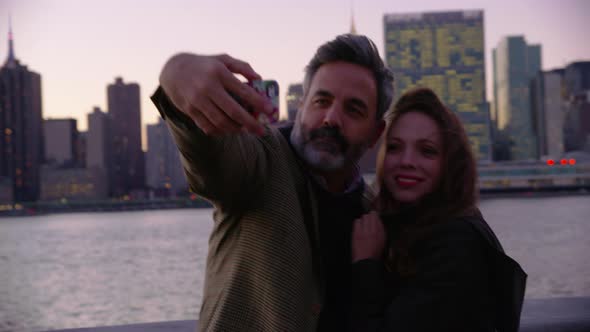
445,52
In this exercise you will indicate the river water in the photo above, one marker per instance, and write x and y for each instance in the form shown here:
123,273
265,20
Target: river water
99,269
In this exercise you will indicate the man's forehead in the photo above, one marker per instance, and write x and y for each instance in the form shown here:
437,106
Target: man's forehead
342,77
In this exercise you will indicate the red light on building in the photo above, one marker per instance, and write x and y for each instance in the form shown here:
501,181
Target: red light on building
572,161
564,161
550,162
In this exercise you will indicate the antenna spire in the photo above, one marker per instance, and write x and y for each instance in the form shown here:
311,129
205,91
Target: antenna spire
352,26
11,58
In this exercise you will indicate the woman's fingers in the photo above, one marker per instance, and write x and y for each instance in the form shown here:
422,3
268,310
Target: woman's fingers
368,238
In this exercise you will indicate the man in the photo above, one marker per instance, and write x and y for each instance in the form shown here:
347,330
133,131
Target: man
279,253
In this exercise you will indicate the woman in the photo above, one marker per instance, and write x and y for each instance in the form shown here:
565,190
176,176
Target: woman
427,261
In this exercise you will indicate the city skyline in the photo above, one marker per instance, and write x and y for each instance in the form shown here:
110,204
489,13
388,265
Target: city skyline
79,47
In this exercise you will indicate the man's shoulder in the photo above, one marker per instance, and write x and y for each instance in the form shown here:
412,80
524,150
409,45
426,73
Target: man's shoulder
284,128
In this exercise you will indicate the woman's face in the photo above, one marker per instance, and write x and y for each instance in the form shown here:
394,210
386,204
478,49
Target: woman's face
413,158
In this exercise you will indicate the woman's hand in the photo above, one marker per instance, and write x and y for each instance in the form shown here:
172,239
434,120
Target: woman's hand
368,237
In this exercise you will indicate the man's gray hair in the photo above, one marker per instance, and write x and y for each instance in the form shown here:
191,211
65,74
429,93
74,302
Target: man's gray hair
360,50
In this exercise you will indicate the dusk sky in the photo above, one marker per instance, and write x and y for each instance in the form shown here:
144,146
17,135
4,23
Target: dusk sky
80,46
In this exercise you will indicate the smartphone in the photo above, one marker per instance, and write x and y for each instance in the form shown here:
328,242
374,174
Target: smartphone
270,90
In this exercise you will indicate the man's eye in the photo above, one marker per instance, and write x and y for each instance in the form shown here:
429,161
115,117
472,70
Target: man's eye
321,102
354,110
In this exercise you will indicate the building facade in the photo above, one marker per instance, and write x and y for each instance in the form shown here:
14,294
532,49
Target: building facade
515,64
577,106
548,112
445,52
72,184
98,143
21,136
294,98
164,169
127,159
61,142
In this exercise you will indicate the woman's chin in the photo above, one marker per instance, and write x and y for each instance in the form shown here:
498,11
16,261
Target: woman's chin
406,198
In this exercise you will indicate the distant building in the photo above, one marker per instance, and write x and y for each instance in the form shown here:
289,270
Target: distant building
164,170
548,112
127,159
577,96
515,64
443,51
5,191
97,139
294,96
72,184
98,142
61,142
21,142
81,149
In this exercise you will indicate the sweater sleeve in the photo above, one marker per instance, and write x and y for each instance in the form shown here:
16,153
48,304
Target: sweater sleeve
448,292
226,170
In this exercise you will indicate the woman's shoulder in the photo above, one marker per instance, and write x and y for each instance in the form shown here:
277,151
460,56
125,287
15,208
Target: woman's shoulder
455,228
470,226
473,233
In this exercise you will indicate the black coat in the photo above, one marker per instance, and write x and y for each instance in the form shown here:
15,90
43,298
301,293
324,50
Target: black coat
463,281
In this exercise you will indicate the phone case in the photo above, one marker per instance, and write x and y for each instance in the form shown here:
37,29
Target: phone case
270,90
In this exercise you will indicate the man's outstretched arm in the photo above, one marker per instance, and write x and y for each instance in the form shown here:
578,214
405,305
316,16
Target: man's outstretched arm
223,155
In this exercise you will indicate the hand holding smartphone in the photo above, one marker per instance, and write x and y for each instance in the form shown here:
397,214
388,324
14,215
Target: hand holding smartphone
270,90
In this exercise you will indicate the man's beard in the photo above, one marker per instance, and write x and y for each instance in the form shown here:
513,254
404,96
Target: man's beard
335,153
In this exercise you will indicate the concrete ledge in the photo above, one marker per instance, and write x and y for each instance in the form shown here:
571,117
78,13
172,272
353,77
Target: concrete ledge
568,314
172,326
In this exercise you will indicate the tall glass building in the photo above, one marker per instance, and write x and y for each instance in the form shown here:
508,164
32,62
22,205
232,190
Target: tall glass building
515,65
445,52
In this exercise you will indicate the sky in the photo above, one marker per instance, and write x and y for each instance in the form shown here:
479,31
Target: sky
81,46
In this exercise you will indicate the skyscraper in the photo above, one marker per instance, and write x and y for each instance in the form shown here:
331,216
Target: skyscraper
443,51
127,160
577,97
294,95
515,65
97,140
548,112
98,147
21,142
163,166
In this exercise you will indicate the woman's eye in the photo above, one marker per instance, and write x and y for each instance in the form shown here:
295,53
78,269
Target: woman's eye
392,147
430,151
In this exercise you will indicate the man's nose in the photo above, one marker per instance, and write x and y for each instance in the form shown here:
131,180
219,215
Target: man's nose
332,117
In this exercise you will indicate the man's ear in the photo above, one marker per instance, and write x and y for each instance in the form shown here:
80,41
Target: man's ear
377,134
